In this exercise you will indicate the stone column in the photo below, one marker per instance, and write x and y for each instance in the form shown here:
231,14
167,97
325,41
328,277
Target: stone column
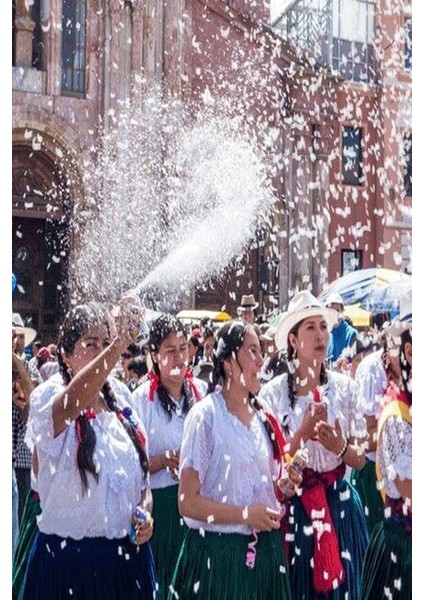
24,29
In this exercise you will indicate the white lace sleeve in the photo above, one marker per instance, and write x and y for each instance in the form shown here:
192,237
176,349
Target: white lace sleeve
271,397
40,421
357,424
196,447
395,449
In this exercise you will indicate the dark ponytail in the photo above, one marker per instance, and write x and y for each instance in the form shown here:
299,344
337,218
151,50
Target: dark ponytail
405,367
86,436
130,425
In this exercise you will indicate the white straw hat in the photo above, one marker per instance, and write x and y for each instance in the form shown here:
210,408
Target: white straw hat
19,327
303,305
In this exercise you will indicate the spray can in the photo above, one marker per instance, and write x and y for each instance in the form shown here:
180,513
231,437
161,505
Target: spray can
141,517
298,463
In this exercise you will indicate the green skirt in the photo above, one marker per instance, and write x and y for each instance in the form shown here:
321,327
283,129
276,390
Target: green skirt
388,563
168,534
27,531
365,483
213,567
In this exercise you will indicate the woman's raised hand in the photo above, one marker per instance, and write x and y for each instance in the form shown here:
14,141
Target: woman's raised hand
314,414
331,438
128,315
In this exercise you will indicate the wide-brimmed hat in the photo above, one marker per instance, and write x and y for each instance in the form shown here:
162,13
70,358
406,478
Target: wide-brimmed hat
18,325
303,305
248,302
334,299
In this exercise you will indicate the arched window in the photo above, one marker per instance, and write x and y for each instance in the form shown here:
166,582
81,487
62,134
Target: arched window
73,46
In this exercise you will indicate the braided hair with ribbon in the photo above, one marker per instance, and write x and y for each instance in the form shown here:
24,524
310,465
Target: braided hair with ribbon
160,330
77,323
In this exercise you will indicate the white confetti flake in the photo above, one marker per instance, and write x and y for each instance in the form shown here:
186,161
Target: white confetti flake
196,587
398,583
345,495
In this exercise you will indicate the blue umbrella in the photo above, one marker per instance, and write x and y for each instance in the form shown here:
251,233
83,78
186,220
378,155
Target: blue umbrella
386,299
14,282
358,285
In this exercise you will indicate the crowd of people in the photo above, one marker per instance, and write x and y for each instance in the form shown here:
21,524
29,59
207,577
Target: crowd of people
213,461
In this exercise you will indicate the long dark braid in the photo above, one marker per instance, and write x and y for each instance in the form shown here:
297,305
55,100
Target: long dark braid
405,367
85,433
323,377
230,339
161,328
112,404
80,319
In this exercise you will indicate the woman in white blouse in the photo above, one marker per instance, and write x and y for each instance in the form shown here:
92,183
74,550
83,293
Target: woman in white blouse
163,403
388,562
326,536
229,464
92,469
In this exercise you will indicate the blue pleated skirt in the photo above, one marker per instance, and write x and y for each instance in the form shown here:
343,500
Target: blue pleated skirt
388,563
89,569
350,524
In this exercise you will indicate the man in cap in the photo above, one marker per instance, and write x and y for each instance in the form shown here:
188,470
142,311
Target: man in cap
342,335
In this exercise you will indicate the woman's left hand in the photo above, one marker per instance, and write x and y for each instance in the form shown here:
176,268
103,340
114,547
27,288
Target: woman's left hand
331,438
290,481
144,532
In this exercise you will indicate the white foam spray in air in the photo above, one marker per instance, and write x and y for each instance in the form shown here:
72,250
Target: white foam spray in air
174,196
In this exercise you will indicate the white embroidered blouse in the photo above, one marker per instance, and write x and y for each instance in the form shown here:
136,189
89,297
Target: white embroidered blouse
341,395
165,432
105,509
394,453
234,462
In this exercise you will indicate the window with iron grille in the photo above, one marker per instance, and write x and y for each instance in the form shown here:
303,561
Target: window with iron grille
352,167
73,46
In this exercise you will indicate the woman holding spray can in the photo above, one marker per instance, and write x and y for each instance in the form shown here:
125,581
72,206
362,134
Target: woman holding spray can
231,459
92,476
318,409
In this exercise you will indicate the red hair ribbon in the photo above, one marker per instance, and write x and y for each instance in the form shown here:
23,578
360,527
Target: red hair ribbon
279,437
154,384
89,413
189,377
127,413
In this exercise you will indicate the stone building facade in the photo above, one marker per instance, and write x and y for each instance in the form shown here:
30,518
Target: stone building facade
73,63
